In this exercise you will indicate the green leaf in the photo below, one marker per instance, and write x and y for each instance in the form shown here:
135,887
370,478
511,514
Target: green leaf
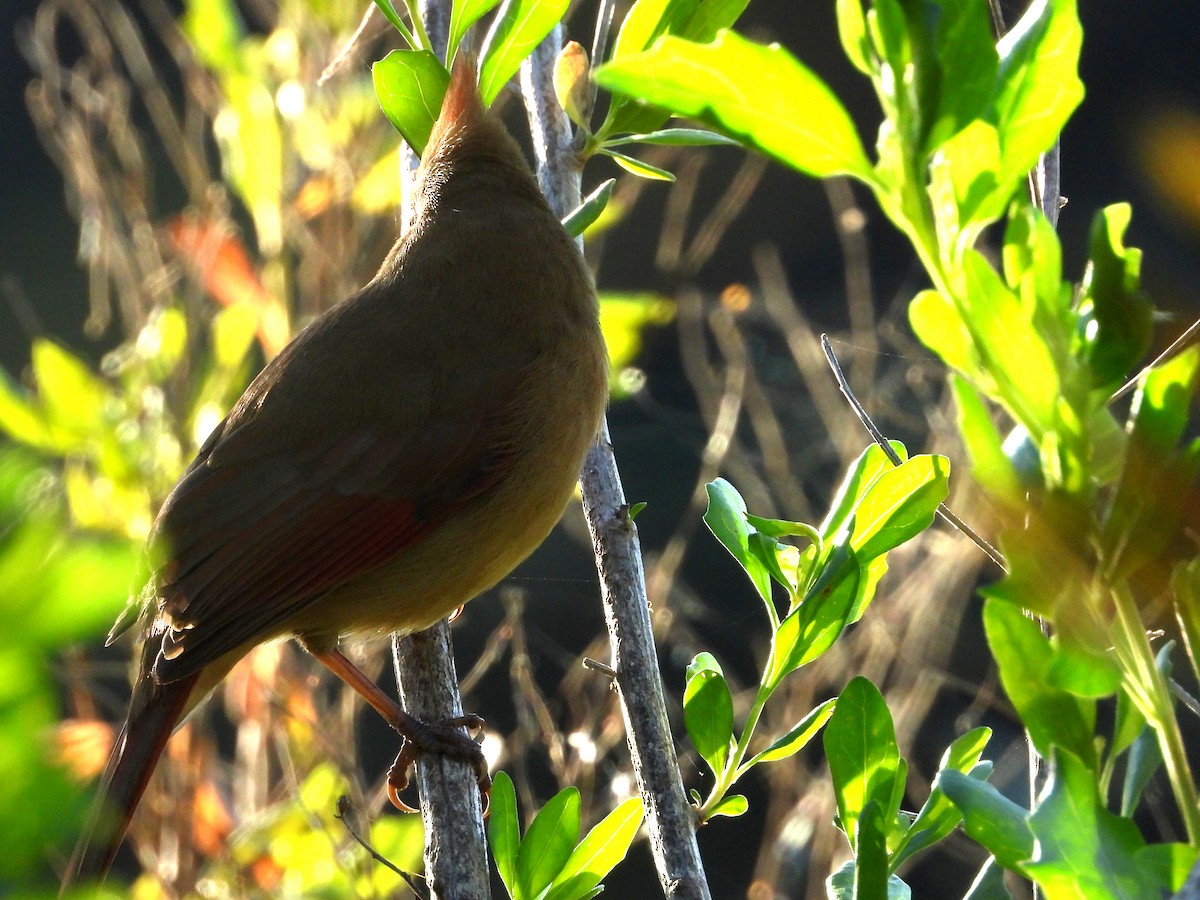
463,15
989,818
726,519
1145,755
889,34
389,12
252,151
877,507
964,188
19,419
938,324
989,883
698,20
1032,263
78,587
899,505
1114,314
852,31
862,474
783,561
898,824
813,626
1080,666
603,847
71,396
763,95
798,736
779,528
577,220
938,815
676,137
504,833
965,752
1156,479
860,746
1083,850
520,28
623,319
841,885
1159,413
708,712
214,32
733,805
647,20
548,843
1167,864
1046,575
233,331
1024,656
636,167
990,466
1129,724
702,662
967,65
1038,86
710,18
410,85
870,853
1185,590
1015,354
1145,758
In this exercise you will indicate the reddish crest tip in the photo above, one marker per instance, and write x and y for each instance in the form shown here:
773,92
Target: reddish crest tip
462,100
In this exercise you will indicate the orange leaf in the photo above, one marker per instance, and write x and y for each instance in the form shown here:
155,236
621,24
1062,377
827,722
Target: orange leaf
221,263
82,746
211,822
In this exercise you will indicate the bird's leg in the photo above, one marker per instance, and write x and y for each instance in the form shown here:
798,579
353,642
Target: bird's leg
444,737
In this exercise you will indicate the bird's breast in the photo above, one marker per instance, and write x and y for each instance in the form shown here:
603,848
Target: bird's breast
547,429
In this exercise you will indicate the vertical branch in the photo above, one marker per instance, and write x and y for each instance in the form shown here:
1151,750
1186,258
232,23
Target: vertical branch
671,821
455,847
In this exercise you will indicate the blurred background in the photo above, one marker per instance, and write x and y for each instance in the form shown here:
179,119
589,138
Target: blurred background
179,194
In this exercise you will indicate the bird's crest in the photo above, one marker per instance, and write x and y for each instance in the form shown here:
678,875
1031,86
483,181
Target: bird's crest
462,99
462,103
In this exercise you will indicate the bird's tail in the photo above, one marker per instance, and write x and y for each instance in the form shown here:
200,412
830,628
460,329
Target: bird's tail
154,712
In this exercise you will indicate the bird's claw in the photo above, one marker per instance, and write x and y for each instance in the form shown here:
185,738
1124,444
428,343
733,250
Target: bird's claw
446,739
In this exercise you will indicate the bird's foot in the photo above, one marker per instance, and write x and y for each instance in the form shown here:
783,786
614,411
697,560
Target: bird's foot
444,738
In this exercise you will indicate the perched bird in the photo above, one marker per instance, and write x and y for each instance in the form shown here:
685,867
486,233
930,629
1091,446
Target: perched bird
400,456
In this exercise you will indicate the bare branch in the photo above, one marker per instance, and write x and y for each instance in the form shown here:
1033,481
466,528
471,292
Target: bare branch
670,819
455,846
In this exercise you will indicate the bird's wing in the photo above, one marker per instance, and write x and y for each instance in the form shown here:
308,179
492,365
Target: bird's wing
279,507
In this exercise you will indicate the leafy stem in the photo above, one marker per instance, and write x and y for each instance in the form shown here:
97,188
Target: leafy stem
734,768
1149,690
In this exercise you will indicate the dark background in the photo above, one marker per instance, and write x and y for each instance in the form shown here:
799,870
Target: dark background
1140,65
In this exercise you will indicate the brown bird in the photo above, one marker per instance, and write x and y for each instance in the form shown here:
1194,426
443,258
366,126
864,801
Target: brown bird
400,456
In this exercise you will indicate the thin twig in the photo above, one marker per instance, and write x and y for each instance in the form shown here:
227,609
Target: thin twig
877,436
603,668
344,54
850,223
344,807
1177,346
604,18
1184,697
